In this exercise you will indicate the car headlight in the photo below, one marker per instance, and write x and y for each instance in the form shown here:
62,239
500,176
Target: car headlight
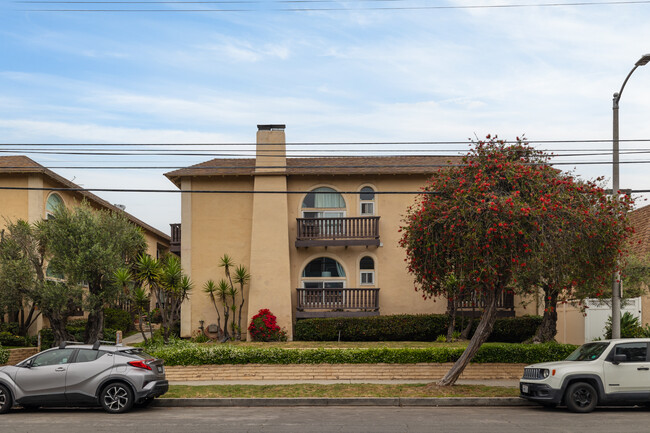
544,373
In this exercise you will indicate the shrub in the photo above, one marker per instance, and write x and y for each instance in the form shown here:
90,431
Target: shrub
118,319
9,339
12,327
407,327
4,355
264,327
184,353
630,326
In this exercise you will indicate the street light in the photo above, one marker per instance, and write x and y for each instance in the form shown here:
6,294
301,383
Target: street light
616,285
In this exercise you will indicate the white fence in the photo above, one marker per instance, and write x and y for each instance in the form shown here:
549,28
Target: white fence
599,311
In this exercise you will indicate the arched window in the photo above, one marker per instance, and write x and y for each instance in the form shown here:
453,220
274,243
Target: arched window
53,202
367,271
323,202
367,201
323,267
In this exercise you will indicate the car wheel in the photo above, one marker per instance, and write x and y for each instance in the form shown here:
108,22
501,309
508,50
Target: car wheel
5,399
581,397
116,398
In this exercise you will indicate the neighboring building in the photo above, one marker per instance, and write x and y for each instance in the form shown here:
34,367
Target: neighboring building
37,202
319,236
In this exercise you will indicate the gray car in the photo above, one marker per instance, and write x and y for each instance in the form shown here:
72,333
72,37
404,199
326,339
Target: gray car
115,377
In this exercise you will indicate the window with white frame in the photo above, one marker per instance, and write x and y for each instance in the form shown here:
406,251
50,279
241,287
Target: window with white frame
367,271
367,200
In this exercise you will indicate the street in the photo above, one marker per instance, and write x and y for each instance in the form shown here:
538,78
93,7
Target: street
325,419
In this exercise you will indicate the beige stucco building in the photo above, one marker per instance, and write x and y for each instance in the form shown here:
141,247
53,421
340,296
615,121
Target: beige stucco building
29,191
318,235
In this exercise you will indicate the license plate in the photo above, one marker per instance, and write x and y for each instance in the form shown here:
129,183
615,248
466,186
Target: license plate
524,389
160,369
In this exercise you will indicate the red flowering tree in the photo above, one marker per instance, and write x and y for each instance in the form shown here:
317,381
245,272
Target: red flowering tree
264,327
494,223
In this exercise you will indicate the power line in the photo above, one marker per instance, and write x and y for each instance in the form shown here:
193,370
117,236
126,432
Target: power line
296,154
335,143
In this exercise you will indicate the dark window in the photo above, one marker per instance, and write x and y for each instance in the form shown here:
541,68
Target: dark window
367,263
634,352
367,193
87,355
323,267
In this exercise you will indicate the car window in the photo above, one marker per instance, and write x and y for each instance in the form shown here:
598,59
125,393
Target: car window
86,355
588,352
59,356
634,352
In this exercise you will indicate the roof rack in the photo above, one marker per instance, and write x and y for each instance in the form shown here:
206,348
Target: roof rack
65,343
96,344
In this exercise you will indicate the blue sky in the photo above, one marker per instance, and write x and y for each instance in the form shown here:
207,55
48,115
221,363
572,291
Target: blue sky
349,75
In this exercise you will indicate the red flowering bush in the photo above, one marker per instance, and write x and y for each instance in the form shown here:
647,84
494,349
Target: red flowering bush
264,327
506,220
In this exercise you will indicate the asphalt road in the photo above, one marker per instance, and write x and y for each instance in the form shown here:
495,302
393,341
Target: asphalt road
326,419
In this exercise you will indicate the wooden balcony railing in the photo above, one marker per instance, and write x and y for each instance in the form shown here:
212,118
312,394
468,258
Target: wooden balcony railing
339,302
337,231
175,244
473,302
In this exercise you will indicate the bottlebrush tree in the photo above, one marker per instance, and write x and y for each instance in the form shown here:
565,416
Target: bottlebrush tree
496,222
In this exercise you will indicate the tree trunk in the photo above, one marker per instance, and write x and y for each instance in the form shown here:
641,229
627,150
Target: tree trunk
226,315
482,333
239,319
451,319
140,320
95,326
465,334
58,325
27,322
548,328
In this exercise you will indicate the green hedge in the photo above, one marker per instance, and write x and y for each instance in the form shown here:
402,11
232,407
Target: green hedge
405,327
194,354
9,339
4,355
118,319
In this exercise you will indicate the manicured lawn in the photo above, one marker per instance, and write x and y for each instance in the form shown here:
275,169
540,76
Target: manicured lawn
338,390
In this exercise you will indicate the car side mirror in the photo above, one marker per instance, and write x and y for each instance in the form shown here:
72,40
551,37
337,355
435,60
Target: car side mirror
26,364
619,358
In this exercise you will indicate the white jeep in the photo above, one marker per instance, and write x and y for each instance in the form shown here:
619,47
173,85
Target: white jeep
610,372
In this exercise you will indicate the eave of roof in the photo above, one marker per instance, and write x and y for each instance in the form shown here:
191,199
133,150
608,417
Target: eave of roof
23,165
329,166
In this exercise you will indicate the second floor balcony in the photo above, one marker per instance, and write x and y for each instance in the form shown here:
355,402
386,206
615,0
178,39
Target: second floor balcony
344,231
175,245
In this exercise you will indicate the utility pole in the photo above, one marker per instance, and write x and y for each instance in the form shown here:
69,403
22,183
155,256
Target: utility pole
616,283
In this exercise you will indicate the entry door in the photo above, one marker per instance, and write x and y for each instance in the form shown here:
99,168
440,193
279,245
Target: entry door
633,375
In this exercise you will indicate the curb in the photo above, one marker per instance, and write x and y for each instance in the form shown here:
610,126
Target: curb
370,401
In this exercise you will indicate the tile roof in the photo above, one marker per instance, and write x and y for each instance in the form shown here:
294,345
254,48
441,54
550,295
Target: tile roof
22,164
328,166
640,220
